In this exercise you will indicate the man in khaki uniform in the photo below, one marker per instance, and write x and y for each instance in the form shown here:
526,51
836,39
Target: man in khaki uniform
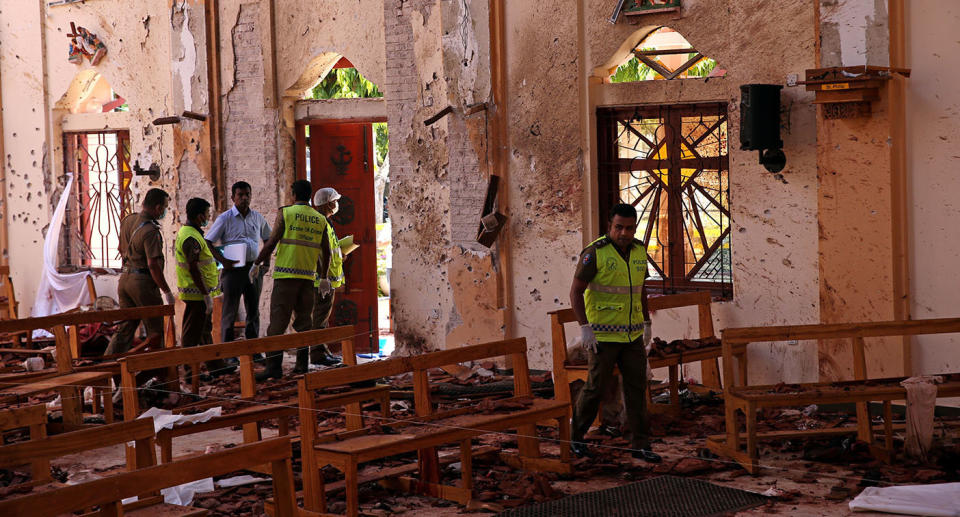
141,283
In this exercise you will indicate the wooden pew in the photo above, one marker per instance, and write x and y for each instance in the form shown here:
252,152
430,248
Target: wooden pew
36,452
67,380
252,417
861,390
564,373
108,492
34,418
427,431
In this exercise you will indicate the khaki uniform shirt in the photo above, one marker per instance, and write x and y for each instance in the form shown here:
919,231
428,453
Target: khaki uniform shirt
140,239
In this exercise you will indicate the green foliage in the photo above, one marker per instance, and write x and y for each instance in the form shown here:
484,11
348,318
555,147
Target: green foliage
631,71
344,83
381,142
634,70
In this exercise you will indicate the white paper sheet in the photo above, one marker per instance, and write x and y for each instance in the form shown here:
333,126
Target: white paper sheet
940,500
236,251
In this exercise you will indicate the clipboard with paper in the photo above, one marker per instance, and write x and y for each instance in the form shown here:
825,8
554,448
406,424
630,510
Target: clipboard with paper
347,245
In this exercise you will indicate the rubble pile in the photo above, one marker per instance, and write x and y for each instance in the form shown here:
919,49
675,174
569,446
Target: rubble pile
661,348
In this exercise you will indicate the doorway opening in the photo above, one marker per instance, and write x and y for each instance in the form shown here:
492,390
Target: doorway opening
351,155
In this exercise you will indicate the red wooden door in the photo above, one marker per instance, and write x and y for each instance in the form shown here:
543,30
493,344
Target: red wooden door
341,156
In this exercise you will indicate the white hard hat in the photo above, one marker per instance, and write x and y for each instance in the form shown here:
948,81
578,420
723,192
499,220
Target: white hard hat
324,196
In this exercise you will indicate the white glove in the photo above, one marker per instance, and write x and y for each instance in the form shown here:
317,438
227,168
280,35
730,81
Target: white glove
254,273
647,335
588,339
168,298
208,301
325,288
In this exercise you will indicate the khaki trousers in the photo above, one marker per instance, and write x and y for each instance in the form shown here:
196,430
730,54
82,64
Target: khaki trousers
631,359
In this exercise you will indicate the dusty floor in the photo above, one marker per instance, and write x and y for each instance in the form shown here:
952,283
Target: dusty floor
814,478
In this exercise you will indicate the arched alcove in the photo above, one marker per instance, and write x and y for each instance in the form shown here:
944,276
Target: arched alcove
656,53
90,92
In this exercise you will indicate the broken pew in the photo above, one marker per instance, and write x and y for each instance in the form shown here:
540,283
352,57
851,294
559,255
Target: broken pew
108,492
860,391
42,451
564,373
34,419
66,379
252,417
428,430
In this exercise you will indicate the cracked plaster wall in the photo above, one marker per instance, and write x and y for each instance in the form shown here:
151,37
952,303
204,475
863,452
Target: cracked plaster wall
774,220
34,80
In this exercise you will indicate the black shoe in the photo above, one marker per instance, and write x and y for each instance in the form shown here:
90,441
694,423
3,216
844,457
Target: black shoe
647,455
325,360
267,374
579,450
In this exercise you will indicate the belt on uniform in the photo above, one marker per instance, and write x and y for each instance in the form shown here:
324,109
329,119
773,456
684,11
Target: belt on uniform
137,270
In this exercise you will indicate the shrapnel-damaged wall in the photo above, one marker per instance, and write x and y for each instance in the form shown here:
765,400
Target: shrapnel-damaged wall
37,77
774,220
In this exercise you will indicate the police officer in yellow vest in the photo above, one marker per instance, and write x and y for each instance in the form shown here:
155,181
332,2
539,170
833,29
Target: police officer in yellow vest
303,248
325,201
610,301
198,281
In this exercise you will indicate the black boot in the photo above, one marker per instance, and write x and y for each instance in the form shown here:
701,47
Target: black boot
302,356
274,367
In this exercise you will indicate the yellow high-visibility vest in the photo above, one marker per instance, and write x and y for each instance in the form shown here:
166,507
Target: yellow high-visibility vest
208,267
613,302
297,252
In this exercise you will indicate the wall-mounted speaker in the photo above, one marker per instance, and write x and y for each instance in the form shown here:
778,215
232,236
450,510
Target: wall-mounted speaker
760,117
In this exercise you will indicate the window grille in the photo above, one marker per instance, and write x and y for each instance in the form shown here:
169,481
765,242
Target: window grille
101,198
671,163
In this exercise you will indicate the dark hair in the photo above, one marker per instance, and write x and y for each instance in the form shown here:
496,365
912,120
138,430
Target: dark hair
623,210
301,190
196,206
238,186
155,197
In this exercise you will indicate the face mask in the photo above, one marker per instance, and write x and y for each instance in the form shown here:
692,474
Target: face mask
336,206
204,223
162,214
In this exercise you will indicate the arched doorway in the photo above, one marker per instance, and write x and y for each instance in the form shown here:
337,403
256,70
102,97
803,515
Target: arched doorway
341,142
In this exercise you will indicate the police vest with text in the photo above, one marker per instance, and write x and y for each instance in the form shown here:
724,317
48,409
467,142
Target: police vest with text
613,302
297,252
188,289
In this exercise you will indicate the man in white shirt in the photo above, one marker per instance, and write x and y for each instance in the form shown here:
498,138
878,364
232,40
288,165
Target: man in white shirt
241,225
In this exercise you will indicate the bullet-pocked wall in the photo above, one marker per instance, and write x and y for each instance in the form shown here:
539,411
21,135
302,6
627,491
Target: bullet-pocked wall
773,217
550,50
37,77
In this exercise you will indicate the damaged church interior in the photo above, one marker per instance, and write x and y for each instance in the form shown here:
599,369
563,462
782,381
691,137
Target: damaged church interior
495,257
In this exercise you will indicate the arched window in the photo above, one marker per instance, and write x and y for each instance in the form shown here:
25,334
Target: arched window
663,54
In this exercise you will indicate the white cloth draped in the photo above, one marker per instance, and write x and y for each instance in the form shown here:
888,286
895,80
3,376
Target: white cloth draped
58,292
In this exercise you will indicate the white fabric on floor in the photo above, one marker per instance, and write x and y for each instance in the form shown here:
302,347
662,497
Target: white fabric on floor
921,403
940,500
58,292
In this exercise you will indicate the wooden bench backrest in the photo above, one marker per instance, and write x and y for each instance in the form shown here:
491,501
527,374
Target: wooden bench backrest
35,419
856,332
244,349
109,491
139,431
420,365
6,290
65,328
701,300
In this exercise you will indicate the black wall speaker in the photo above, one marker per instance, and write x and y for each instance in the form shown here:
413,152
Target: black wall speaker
760,116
